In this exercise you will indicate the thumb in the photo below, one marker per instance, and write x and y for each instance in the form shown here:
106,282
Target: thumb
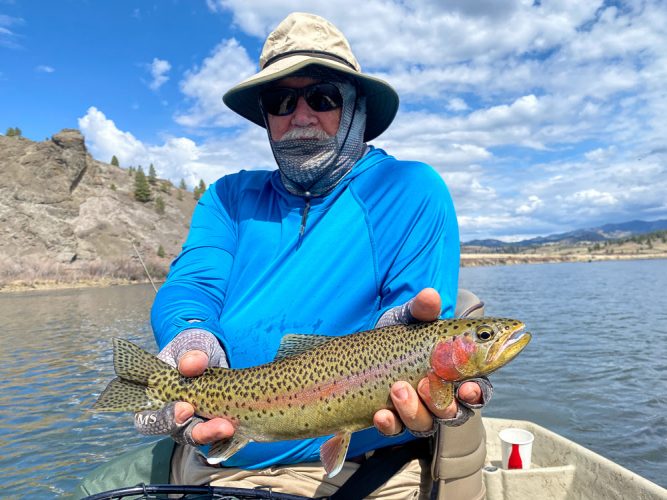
193,363
426,305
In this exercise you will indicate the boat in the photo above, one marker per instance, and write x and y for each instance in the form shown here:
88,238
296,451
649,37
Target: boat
560,470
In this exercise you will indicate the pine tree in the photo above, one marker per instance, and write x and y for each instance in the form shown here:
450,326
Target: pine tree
114,161
166,186
13,132
159,205
200,190
182,185
152,175
142,190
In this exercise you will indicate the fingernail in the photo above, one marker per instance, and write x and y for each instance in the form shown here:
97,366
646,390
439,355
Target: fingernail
401,393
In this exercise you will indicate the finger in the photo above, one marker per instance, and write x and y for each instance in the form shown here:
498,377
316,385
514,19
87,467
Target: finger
471,393
216,429
424,393
387,422
426,305
193,363
182,412
412,412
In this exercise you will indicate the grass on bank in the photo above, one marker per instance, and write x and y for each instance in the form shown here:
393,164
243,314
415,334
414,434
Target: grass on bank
36,272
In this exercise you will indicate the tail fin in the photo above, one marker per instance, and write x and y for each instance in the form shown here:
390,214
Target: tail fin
130,392
132,363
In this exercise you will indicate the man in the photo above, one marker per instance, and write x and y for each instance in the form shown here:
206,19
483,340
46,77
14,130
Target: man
341,238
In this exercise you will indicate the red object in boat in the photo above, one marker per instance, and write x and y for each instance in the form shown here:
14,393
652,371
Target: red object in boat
514,461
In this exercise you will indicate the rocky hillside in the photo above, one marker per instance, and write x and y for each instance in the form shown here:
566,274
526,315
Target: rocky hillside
64,213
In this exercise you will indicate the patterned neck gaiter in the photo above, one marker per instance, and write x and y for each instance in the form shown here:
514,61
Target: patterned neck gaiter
310,167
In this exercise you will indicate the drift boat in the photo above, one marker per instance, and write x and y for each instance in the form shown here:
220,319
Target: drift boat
560,470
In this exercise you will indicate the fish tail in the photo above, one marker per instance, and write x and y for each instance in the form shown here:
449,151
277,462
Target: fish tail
130,391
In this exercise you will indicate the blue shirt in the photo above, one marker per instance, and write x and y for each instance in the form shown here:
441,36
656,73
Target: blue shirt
387,231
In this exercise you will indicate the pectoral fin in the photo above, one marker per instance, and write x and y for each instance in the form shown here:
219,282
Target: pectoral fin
442,392
222,450
334,451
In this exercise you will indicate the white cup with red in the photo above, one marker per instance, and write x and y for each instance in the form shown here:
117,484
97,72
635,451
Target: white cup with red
517,447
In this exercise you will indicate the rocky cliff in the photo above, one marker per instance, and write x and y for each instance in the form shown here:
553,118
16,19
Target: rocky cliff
58,205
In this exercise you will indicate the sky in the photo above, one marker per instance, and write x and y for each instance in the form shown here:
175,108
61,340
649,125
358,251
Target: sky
541,116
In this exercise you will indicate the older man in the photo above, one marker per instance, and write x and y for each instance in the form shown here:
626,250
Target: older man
341,238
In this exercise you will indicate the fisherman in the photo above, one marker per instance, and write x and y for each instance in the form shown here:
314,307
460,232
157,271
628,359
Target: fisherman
341,238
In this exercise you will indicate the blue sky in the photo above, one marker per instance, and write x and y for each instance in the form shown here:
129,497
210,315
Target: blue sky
542,117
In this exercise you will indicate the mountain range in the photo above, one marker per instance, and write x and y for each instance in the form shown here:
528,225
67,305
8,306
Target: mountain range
606,232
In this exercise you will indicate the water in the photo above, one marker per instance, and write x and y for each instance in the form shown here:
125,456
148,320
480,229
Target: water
595,371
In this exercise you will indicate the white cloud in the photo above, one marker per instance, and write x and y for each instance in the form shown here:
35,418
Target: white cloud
158,69
204,86
457,104
8,38
178,157
43,68
534,203
541,118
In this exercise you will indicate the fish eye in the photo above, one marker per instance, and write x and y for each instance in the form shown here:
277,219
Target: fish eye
484,333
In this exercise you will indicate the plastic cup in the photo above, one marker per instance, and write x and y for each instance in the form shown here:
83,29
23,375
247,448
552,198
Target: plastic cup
517,447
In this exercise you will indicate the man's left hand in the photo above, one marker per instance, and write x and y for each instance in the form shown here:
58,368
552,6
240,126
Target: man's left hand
414,409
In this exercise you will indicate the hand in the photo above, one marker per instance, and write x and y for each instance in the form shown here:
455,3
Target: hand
191,351
414,409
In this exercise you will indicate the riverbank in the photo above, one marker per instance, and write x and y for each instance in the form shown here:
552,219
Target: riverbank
503,259
35,273
65,280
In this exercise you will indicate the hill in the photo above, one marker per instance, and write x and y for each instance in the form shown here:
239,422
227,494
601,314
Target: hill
67,218
607,232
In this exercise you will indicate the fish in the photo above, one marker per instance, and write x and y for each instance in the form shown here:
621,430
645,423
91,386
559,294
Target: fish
318,385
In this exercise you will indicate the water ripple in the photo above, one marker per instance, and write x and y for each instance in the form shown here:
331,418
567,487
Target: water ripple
599,346
594,372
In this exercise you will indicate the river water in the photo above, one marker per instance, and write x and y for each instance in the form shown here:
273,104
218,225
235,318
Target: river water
595,372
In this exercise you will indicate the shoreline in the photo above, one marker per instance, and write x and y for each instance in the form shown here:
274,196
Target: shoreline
506,259
467,260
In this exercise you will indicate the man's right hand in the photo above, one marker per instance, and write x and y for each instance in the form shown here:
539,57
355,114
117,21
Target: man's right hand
191,351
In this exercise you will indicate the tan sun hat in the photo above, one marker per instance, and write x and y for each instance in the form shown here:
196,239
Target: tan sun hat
302,40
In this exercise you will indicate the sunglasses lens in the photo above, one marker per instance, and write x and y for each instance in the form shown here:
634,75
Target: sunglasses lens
323,97
279,101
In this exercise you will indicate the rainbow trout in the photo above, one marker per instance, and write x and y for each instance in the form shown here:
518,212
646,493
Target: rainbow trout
319,385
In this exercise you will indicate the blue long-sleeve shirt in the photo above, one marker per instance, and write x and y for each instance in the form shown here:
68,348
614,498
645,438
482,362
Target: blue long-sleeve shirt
387,231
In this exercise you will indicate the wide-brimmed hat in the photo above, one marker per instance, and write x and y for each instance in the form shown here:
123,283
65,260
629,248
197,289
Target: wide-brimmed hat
302,40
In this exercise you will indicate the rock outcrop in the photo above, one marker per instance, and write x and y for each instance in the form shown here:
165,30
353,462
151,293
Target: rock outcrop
59,204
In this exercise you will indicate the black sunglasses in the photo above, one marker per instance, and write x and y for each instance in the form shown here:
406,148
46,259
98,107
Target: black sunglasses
281,101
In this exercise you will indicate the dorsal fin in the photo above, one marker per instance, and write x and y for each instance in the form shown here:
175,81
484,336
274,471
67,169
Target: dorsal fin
297,343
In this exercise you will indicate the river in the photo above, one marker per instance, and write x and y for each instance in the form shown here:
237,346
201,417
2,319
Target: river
595,372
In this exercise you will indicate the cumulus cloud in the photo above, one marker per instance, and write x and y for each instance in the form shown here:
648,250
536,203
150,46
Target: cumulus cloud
177,157
158,69
541,117
204,86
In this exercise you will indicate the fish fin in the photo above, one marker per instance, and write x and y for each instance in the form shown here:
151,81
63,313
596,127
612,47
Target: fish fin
442,391
297,343
123,395
333,452
223,450
132,363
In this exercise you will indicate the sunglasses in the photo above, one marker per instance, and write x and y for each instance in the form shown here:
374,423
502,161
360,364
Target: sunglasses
281,101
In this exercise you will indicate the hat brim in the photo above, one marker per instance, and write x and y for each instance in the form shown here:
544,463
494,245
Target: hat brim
381,98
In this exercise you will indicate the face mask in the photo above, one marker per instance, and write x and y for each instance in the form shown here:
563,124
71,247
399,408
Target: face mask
311,167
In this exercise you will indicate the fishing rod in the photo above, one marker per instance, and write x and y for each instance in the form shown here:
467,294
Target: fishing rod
144,265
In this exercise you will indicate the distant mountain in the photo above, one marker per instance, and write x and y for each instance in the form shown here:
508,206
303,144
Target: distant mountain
595,234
